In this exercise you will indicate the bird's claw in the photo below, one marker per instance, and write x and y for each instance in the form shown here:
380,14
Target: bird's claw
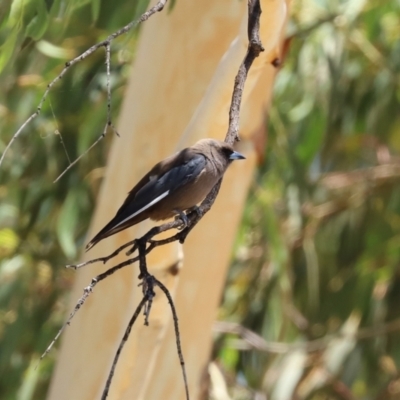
183,217
197,210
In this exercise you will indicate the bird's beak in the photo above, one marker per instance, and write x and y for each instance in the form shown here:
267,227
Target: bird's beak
237,156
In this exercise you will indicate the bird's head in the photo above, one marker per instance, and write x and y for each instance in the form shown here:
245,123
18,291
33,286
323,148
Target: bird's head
217,148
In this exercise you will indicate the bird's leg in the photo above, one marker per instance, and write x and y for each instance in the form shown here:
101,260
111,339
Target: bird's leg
183,217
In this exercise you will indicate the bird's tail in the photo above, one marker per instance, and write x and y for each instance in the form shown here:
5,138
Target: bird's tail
115,226
107,231
92,243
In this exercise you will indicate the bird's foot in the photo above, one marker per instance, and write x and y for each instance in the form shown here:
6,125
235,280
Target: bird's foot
183,217
195,209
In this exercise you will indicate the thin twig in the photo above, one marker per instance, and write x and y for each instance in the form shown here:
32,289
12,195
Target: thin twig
121,345
144,17
177,334
86,293
108,124
73,163
108,85
102,259
58,132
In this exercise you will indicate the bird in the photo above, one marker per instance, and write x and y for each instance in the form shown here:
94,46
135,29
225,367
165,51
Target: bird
174,185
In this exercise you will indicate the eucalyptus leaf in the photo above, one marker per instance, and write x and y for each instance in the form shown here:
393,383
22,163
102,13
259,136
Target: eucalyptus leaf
96,5
38,25
67,223
7,49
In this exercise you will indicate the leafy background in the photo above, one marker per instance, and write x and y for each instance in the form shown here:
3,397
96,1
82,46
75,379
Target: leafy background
319,242
43,225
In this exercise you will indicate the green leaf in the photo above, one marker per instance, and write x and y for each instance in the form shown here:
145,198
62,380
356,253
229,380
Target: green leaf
39,23
30,381
53,51
66,224
7,49
16,13
96,4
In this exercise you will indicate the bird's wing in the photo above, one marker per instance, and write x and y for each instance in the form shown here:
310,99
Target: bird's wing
160,184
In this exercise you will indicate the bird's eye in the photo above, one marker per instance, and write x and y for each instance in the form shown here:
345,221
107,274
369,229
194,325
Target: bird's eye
227,152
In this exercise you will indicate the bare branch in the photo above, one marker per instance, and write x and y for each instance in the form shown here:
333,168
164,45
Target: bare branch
86,293
101,137
253,51
121,345
108,85
177,334
102,259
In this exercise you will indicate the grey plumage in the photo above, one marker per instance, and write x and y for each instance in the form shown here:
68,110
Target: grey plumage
172,186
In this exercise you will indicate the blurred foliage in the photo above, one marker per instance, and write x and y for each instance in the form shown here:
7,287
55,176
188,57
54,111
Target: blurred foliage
42,225
319,243
314,277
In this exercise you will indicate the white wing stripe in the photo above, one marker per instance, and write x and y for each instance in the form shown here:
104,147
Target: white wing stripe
156,200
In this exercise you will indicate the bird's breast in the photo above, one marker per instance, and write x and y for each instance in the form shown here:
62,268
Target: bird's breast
185,197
